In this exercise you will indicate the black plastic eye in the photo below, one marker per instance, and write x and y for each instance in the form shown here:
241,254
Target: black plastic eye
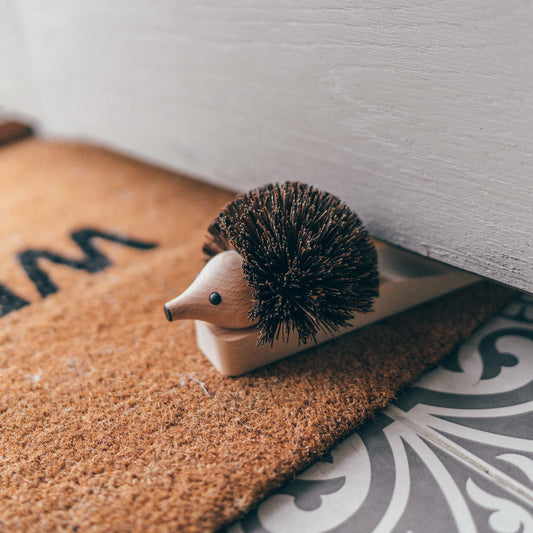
215,298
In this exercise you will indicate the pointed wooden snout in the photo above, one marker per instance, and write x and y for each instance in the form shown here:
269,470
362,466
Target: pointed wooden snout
219,295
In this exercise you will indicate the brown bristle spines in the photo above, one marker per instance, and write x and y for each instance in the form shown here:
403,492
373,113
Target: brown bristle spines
308,259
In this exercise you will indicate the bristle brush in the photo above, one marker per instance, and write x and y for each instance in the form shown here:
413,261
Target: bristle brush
307,258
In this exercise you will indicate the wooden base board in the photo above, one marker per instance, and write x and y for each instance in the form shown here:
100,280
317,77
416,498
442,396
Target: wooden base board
406,280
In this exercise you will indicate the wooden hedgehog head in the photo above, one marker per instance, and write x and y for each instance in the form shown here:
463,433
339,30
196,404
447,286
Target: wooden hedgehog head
287,259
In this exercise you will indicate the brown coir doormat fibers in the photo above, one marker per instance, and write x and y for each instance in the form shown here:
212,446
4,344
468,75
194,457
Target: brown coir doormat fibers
110,418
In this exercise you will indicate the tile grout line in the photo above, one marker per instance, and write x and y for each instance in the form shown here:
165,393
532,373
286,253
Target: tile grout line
475,463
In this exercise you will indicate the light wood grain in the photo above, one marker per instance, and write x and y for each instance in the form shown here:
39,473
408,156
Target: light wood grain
222,275
406,280
418,113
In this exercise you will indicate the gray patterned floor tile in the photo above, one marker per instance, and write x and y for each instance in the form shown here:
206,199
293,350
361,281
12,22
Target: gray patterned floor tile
454,453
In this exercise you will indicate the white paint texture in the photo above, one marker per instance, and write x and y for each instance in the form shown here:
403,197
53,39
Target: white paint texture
16,86
419,114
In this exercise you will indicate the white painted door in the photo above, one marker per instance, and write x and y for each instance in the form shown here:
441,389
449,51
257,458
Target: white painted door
418,114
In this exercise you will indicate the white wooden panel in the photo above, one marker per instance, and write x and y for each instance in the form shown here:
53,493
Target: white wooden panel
419,114
16,85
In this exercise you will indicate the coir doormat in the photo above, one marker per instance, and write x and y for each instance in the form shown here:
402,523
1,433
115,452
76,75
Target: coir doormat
110,417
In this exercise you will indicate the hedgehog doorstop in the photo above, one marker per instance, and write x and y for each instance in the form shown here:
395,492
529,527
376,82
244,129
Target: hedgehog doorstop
291,267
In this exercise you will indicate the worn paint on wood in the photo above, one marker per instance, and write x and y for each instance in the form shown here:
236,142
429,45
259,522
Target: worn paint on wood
418,114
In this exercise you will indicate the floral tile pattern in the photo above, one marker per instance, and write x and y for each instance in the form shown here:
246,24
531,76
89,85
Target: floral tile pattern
454,453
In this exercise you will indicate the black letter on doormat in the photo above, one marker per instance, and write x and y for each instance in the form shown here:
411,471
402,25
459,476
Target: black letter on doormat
9,301
94,260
